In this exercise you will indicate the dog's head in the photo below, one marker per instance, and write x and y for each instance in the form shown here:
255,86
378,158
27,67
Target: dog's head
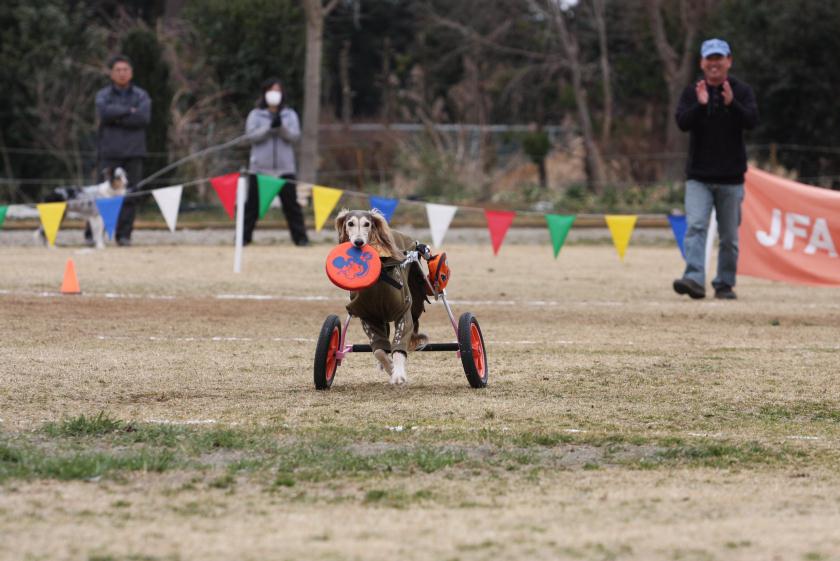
117,179
362,227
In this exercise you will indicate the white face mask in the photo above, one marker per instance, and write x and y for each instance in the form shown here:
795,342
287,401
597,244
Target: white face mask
273,98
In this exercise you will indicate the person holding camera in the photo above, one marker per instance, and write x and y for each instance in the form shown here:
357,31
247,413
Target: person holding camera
273,128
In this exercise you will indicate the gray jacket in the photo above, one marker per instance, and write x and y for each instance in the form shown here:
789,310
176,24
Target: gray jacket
123,118
272,152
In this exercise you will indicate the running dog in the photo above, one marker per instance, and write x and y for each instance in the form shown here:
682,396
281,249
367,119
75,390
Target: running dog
81,201
399,296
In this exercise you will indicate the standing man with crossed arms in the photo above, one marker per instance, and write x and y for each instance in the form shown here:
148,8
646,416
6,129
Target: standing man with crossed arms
715,112
124,110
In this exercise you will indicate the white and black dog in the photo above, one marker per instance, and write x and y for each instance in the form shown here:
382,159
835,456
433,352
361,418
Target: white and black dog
397,298
81,201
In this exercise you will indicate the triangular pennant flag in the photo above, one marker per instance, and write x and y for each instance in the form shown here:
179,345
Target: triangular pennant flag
268,188
678,226
384,205
225,186
324,200
169,201
109,210
498,222
621,228
558,227
440,216
3,210
51,214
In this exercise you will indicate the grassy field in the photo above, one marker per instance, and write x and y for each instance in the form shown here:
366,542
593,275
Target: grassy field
168,413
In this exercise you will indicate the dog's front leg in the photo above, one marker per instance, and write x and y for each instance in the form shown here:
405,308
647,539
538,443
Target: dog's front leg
97,228
399,347
398,378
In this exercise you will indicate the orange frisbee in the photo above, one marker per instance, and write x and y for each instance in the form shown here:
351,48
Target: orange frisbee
353,268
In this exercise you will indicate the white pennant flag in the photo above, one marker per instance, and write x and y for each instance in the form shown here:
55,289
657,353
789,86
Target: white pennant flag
169,200
440,216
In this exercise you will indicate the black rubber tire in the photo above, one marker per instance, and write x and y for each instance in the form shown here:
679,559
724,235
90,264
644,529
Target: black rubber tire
475,367
325,363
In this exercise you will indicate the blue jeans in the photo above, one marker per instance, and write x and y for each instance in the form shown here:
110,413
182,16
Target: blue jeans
700,198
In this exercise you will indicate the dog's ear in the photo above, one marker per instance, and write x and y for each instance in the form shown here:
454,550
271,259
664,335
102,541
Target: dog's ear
339,225
382,231
107,174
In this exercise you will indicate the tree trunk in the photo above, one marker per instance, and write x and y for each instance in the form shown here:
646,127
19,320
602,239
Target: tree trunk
599,12
543,174
346,91
388,101
677,70
315,14
594,161
479,117
676,141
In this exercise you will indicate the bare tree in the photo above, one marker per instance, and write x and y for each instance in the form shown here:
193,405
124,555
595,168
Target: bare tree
346,89
599,10
677,65
571,49
565,62
62,125
316,11
199,115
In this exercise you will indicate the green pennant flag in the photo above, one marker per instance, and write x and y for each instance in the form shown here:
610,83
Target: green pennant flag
269,187
3,210
558,226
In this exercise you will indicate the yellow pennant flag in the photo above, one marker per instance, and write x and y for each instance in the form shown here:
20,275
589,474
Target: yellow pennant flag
621,228
51,215
324,200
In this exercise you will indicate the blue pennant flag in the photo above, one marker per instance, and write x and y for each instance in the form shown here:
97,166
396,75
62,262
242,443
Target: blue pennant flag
385,206
678,226
109,210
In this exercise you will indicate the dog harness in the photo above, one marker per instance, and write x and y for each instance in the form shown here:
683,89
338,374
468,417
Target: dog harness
389,300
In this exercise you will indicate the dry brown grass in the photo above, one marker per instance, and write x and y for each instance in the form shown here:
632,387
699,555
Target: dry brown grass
711,429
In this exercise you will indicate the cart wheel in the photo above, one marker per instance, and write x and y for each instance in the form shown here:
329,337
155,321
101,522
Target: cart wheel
473,355
325,361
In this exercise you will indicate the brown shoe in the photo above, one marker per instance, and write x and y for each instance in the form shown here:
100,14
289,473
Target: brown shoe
690,287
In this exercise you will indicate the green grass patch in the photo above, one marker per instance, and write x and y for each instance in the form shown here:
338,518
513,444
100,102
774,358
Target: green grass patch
27,462
530,439
801,411
319,461
720,454
101,424
226,481
395,498
91,447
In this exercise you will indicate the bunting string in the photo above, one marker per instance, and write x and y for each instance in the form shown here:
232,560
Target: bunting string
324,201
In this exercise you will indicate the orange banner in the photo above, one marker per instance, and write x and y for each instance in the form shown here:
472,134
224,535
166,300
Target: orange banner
789,231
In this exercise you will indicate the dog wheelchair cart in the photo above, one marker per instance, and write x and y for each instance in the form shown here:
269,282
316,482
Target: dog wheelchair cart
333,348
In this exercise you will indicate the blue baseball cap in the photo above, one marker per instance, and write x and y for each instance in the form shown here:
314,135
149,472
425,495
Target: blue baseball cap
715,47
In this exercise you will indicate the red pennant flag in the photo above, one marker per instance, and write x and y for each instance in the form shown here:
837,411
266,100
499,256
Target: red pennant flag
498,222
225,186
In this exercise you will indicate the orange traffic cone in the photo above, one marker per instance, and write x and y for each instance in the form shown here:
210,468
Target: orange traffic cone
70,285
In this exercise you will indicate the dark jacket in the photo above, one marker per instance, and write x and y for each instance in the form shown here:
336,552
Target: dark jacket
122,132
716,152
